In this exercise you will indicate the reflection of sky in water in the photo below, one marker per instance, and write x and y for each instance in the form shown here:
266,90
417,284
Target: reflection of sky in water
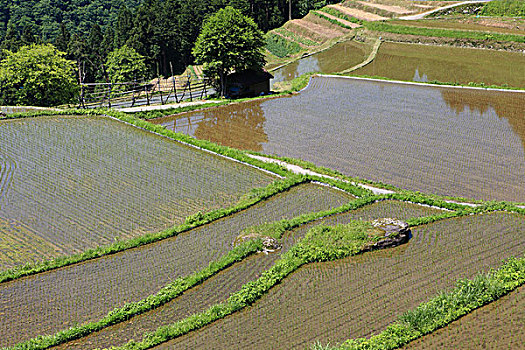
417,77
295,69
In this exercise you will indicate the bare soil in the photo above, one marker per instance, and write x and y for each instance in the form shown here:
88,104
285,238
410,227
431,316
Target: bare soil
359,14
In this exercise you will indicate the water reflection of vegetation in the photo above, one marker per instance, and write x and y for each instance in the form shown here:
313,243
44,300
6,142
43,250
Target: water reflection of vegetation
506,105
339,57
447,64
239,125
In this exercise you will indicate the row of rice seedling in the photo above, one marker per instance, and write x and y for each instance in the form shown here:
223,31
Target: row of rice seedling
321,243
275,230
408,137
98,170
214,290
468,295
498,325
94,288
362,295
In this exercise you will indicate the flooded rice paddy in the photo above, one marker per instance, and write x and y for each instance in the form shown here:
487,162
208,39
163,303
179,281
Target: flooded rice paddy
447,64
361,295
498,325
49,302
447,141
339,57
72,183
218,288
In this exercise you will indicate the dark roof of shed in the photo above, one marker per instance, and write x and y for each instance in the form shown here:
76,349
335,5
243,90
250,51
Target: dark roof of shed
249,76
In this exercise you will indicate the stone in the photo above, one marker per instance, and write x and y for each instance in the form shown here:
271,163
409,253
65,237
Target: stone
395,232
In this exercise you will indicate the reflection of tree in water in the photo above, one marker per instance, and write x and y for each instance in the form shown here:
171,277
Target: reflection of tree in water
507,105
238,125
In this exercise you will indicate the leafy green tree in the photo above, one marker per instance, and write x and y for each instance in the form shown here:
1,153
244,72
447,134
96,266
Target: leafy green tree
229,41
125,64
37,75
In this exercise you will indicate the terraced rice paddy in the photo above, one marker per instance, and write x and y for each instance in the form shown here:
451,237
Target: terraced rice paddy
468,24
72,183
47,303
447,64
221,286
456,142
338,58
361,295
498,325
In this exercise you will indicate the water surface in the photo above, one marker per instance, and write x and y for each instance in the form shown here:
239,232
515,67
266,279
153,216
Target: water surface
448,141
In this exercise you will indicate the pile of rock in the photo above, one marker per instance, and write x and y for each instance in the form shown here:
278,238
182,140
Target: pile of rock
395,232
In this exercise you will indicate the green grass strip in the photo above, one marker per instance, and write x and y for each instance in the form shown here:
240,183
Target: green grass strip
321,243
445,308
338,14
165,295
281,47
442,33
193,221
331,20
299,39
514,8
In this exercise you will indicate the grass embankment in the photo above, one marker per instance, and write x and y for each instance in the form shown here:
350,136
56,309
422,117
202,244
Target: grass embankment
442,33
467,296
512,8
321,243
274,230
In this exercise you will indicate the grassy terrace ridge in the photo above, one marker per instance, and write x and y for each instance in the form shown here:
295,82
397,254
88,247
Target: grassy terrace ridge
274,230
333,21
332,11
441,310
442,33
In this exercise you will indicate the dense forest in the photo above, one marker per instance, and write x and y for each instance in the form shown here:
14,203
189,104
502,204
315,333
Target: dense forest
163,31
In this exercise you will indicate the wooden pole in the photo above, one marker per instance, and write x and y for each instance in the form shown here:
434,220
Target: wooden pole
189,87
174,86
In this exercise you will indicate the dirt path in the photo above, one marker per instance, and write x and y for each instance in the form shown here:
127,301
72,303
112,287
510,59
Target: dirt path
389,8
370,58
424,14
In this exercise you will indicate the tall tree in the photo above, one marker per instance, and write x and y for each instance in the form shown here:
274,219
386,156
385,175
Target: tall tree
229,41
37,75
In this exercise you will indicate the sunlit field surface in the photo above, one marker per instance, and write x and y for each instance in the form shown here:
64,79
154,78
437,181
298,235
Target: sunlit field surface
219,287
447,64
72,183
361,295
455,142
47,303
498,325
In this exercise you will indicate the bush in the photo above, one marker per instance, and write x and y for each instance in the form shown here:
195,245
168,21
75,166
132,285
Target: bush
281,47
37,75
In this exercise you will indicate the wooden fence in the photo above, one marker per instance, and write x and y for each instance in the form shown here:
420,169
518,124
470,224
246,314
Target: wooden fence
130,94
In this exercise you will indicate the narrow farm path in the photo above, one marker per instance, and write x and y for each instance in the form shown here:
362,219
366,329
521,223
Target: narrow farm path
424,14
370,58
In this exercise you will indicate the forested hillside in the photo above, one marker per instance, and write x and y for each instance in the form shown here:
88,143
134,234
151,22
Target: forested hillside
164,31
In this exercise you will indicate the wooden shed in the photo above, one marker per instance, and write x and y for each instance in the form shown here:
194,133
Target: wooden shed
248,83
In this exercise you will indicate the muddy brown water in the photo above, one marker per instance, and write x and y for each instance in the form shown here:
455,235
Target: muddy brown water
447,141
219,287
498,325
49,302
412,62
68,184
361,295
339,57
